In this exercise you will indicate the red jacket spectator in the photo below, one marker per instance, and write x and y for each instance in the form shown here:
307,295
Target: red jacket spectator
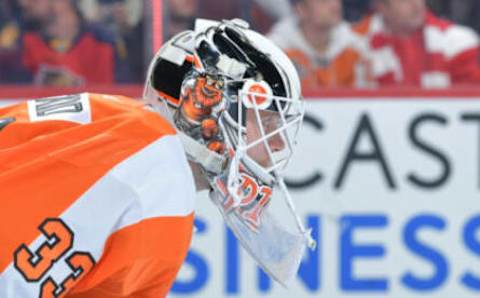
67,53
88,60
437,53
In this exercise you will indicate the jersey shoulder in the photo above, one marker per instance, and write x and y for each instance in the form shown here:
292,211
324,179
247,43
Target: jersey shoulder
116,106
44,116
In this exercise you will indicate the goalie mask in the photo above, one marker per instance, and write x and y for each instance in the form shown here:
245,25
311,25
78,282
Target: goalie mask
235,99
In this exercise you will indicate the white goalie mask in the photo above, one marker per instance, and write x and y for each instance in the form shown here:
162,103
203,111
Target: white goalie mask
235,99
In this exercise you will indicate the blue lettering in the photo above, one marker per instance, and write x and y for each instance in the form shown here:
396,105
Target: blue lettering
264,281
309,271
198,264
232,269
437,260
351,251
471,228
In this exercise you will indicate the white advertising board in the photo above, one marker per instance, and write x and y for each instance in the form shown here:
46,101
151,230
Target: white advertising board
391,189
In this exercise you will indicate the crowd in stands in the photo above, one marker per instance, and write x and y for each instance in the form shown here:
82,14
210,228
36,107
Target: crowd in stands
399,43
333,43
70,42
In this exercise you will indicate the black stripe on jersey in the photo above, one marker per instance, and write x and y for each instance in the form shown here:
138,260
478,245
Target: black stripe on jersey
6,121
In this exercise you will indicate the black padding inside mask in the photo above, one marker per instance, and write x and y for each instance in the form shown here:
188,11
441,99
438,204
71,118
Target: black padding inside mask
229,48
168,77
233,111
208,55
262,62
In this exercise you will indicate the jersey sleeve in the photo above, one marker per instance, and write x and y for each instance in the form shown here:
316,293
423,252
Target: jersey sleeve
75,198
140,261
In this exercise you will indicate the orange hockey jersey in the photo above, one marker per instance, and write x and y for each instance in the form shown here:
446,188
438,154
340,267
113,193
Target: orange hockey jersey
96,199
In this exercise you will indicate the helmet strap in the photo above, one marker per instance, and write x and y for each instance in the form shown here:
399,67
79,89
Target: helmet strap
209,160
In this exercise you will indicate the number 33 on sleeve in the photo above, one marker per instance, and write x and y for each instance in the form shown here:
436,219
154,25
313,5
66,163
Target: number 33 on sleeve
34,266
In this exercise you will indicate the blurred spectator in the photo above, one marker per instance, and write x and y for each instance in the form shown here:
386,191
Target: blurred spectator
323,47
66,52
440,7
16,18
411,46
278,9
5,13
466,12
126,27
10,35
264,13
225,9
32,13
181,16
259,18
182,13
354,10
